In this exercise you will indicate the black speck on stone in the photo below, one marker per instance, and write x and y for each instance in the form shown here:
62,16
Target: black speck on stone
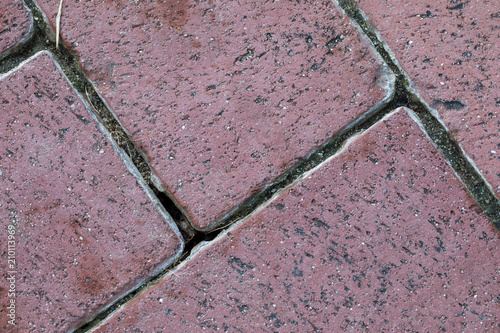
243,308
333,42
280,206
320,224
439,248
300,231
69,100
450,105
297,272
456,7
62,132
453,105
315,67
274,318
82,119
243,267
348,259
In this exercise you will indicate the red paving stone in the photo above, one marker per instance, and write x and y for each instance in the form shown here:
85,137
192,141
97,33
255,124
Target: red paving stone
381,238
15,23
86,231
451,51
223,96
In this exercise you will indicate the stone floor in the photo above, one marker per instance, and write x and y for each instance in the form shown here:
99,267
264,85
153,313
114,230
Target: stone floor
239,166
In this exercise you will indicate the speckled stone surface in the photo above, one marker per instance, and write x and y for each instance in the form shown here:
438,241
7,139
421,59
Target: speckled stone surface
223,96
451,51
15,23
85,229
382,237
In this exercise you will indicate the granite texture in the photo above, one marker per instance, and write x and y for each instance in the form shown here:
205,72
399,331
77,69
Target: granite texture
85,231
223,96
382,237
451,51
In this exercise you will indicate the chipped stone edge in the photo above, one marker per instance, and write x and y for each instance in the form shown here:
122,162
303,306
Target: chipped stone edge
386,82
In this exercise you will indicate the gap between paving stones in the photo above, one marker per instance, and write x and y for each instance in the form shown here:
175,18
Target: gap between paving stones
403,95
23,40
428,119
43,38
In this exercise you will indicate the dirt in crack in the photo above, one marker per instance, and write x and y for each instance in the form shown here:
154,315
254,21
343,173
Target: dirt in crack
442,139
403,97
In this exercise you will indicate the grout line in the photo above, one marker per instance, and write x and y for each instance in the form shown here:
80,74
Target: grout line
318,156
206,239
201,239
43,38
34,42
479,189
254,204
428,118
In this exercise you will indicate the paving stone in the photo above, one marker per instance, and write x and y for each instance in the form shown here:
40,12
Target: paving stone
223,96
382,237
15,23
85,229
451,51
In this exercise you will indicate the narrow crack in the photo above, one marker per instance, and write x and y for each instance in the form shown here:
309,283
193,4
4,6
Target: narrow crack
403,96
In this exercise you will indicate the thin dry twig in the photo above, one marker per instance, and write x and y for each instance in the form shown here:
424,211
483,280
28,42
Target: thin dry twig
58,23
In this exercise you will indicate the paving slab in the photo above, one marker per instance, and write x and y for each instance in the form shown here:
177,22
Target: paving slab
83,229
451,51
15,24
223,96
383,237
